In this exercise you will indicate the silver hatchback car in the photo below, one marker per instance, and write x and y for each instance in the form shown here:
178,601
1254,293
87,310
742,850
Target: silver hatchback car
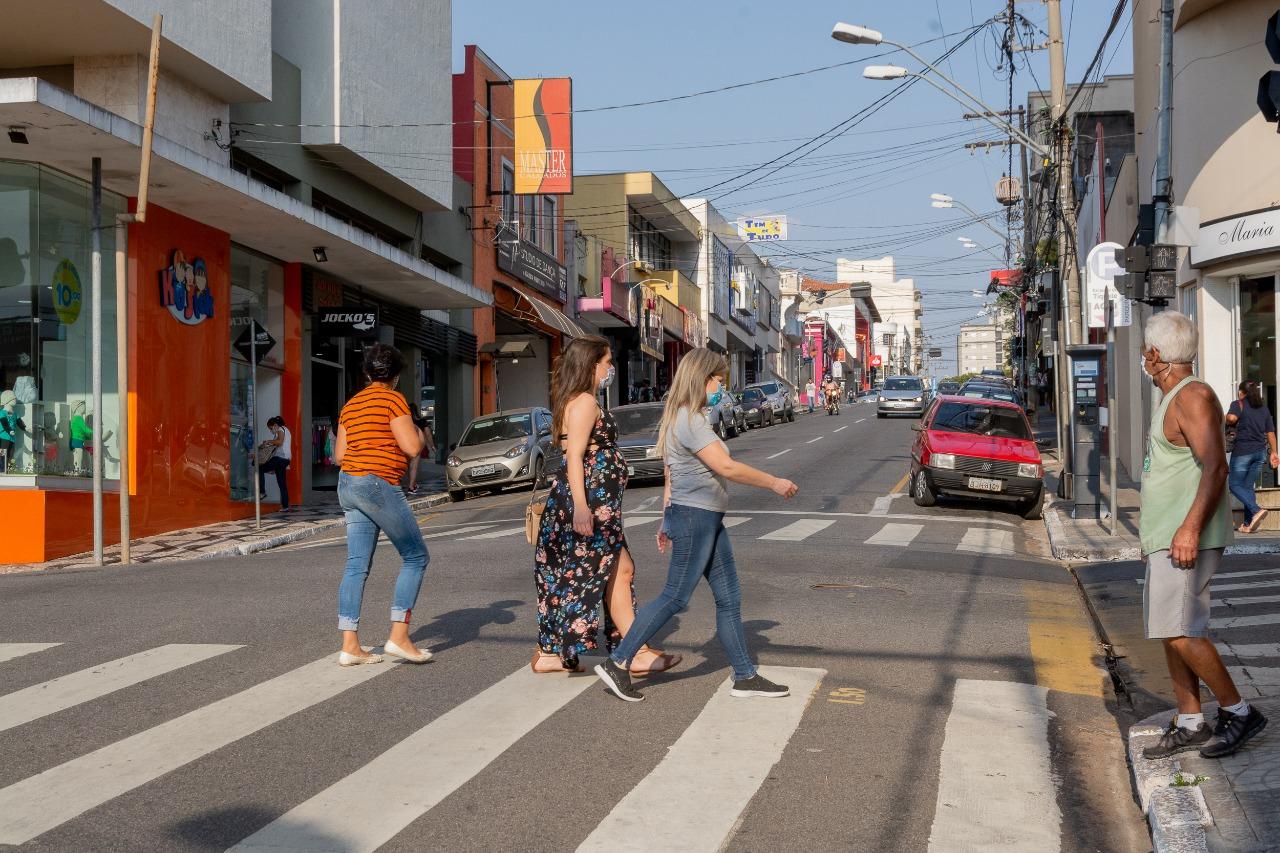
503,449
902,395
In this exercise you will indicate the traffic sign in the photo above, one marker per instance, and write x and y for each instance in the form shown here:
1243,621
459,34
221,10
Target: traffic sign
255,341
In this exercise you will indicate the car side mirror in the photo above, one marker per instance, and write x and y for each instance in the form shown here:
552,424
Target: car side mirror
453,446
544,432
917,427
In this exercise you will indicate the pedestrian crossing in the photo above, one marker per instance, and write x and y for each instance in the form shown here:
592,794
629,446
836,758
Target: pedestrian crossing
369,806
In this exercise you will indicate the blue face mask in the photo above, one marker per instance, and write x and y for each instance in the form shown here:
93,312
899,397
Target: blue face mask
713,398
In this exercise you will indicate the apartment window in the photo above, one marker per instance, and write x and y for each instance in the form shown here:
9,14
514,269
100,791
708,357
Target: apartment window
529,218
356,219
646,243
549,225
260,171
508,193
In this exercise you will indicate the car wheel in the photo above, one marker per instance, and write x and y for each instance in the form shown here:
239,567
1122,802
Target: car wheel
537,474
879,414
921,492
1033,509
458,496
791,416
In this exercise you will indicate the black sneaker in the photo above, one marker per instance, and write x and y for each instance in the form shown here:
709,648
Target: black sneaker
1234,731
758,685
618,680
1177,739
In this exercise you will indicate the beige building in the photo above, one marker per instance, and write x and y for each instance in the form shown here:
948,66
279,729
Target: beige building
979,347
898,338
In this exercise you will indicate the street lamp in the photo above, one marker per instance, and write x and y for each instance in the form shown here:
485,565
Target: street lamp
853,34
945,202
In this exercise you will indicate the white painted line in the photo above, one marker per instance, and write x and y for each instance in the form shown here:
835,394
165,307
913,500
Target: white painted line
1257,676
1218,578
895,534
634,521
9,651
812,440
776,455
1245,621
798,531
736,520
647,502
859,420
846,426
881,506
1245,600
40,700
1250,650
497,534
367,808
1225,587
707,766
39,803
900,516
1000,800
984,540
458,532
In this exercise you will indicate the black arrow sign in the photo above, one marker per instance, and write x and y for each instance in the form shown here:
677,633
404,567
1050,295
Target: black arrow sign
246,343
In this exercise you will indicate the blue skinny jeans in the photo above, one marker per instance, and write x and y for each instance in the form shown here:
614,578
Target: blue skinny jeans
699,549
372,505
1244,473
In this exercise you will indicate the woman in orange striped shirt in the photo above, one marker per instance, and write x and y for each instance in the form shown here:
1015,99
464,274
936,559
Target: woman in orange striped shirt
376,439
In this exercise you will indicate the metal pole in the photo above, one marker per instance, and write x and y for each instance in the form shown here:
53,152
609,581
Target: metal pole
253,421
1066,196
122,378
95,359
1162,190
1112,420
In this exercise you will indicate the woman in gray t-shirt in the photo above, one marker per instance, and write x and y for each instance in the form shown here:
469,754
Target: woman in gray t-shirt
697,468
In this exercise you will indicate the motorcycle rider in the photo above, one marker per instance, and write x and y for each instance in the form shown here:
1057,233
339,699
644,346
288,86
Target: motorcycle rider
831,390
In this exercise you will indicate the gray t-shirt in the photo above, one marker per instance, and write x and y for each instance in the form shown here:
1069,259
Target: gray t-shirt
692,482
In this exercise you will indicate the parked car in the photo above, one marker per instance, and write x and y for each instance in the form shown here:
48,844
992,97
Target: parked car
990,374
784,408
990,391
948,386
503,449
638,439
977,448
759,413
902,395
727,418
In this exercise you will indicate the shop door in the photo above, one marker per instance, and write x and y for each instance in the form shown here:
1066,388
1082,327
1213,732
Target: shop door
327,397
1258,345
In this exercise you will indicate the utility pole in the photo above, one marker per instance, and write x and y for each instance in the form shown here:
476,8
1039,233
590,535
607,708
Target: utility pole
1066,195
1162,190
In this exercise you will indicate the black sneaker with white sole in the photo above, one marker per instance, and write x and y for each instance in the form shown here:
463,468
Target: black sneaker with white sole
1176,739
758,685
618,680
1234,731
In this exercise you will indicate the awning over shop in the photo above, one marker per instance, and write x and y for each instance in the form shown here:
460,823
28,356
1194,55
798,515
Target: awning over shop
551,316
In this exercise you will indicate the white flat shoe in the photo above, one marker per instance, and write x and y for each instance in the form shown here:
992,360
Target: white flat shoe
348,659
390,648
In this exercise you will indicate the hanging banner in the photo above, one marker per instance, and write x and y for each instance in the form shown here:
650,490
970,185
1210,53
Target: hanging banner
764,229
544,136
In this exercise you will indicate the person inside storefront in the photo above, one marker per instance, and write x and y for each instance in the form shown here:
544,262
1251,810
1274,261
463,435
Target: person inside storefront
376,440
428,451
11,427
278,463
1255,442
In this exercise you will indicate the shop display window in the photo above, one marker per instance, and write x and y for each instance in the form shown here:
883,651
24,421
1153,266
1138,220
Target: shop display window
257,293
46,408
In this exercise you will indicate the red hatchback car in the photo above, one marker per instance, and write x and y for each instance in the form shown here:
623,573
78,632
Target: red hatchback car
977,448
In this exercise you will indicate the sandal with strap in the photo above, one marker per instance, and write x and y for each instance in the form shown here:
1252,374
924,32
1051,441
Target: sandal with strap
661,663
540,656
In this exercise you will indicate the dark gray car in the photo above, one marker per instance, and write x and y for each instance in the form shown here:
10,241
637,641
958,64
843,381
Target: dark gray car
779,399
638,439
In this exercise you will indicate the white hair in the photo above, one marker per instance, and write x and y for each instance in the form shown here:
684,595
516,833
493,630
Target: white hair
1174,335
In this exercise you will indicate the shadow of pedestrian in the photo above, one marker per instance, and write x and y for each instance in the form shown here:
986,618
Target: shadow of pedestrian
462,626
758,646
218,829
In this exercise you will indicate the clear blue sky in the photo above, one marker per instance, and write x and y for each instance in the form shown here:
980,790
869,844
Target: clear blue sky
863,195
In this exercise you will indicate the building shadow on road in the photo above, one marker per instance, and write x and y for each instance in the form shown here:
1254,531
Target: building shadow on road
462,626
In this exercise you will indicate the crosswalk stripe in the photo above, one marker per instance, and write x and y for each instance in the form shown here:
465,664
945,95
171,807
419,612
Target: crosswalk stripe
637,520
1245,600
497,534
1225,587
703,767
9,651
736,520
978,808
40,700
895,534
367,808
800,530
39,803
458,532
1258,676
1230,576
1245,621
984,540
1250,650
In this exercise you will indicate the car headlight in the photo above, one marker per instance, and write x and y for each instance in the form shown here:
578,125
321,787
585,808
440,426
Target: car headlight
880,399
943,460
516,452
1030,469
652,452
453,462
919,400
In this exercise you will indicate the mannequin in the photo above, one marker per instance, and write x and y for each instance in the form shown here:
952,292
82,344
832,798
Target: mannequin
11,426
81,436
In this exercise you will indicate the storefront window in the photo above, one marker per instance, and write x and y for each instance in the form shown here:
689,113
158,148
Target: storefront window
257,294
46,408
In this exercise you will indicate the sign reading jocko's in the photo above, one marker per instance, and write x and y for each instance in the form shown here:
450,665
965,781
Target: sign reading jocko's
1236,236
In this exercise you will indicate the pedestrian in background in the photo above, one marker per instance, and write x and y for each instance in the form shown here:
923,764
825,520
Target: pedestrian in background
810,391
1184,527
376,440
695,500
581,558
1255,442
282,441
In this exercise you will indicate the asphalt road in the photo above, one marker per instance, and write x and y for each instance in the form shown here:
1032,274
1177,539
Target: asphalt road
948,693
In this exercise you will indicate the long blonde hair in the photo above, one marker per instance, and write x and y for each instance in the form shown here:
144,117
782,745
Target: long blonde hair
689,388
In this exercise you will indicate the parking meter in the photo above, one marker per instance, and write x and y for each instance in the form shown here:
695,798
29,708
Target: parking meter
1087,396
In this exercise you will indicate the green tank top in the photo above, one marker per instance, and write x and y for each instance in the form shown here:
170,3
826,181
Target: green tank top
1170,477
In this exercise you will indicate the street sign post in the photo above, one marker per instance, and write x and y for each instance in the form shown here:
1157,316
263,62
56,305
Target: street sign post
254,343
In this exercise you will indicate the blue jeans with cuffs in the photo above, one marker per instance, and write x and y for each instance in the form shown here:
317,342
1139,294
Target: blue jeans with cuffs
1244,473
372,505
699,549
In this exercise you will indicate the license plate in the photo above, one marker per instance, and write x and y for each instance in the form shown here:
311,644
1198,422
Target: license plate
481,470
982,484
631,470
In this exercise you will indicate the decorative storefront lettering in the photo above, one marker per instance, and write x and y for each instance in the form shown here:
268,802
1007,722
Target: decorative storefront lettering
1237,236
184,289
67,292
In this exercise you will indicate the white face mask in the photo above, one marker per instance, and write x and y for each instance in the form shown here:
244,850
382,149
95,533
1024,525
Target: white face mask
608,378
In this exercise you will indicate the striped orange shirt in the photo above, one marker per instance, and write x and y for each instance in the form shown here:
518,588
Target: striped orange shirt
371,446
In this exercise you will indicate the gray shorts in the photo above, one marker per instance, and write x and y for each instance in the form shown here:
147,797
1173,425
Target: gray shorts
1175,602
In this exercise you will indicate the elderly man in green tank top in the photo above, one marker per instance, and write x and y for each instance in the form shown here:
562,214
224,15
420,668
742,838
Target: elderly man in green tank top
1185,525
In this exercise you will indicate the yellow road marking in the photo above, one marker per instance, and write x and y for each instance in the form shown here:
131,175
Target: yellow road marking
848,696
1063,645
897,487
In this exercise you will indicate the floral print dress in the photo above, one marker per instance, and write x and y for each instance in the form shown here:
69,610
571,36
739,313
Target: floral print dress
572,571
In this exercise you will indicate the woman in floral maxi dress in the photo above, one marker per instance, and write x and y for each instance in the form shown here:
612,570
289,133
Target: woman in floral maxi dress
581,557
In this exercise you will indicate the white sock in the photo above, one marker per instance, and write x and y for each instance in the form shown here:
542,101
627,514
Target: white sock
1190,722
1240,709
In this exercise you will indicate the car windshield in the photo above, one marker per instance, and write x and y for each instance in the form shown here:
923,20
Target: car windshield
987,392
995,421
751,395
903,384
771,388
948,387
637,419
504,428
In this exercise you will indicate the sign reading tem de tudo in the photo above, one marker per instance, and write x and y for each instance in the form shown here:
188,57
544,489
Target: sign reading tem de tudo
764,229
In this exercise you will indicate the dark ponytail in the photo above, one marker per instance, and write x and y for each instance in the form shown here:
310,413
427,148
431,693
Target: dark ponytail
1252,392
383,363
